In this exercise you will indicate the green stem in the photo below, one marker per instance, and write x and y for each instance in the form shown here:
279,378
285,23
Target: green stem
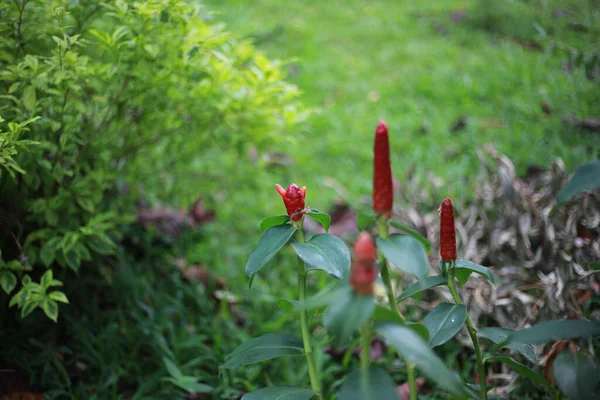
412,383
365,359
308,353
472,333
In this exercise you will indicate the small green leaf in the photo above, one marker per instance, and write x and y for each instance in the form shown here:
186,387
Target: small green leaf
325,252
577,376
50,308
29,98
325,298
269,244
46,279
59,296
586,178
384,314
406,253
464,268
73,259
363,220
266,347
172,368
321,218
8,281
444,321
280,393
499,335
554,330
28,307
347,314
412,233
424,284
287,306
48,251
521,370
273,221
416,351
380,386
191,385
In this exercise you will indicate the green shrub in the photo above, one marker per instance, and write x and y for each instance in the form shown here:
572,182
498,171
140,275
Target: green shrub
106,103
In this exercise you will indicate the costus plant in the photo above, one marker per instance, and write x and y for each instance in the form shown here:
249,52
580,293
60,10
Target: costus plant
355,310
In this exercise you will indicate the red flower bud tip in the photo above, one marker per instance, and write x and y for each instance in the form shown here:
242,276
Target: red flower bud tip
364,272
447,232
293,199
383,193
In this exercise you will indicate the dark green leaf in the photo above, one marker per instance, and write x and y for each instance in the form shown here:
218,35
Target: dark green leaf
326,252
8,281
499,335
269,244
444,321
101,244
280,393
172,368
266,347
384,314
464,268
347,314
586,178
73,259
48,251
191,385
406,253
412,233
50,308
521,370
555,330
577,376
325,298
424,284
322,218
416,351
273,221
379,386
363,220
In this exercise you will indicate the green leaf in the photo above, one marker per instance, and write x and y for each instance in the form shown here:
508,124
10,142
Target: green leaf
191,385
325,252
287,306
347,314
325,298
59,296
48,251
50,308
406,253
444,321
273,221
424,284
363,220
266,347
554,330
28,307
521,370
73,259
415,350
499,335
586,178
29,98
101,244
464,268
379,386
172,368
412,233
269,244
384,314
322,218
46,279
280,393
577,376
8,281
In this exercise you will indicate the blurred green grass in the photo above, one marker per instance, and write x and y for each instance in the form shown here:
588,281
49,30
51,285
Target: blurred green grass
422,66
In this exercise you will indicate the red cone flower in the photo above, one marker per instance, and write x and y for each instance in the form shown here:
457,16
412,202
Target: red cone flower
293,199
383,193
447,232
364,272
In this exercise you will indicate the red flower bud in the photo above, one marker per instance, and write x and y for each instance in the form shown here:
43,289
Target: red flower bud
447,232
293,199
383,191
364,272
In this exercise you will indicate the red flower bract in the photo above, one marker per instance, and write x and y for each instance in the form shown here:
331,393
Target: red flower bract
364,272
293,199
383,191
447,232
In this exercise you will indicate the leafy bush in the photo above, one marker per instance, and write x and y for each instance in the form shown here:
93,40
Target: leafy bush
107,103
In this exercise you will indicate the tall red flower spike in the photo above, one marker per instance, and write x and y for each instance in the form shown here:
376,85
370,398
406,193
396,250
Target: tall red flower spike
293,199
364,272
383,190
447,232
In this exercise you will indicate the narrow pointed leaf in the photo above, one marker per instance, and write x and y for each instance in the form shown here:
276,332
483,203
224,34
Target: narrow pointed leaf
269,244
280,393
379,386
521,370
325,252
424,284
273,221
384,314
464,268
321,218
577,376
444,321
586,178
416,351
499,335
347,314
554,330
412,233
406,253
266,347
287,306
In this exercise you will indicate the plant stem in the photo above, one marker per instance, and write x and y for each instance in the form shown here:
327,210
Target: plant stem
472,333
308,353
365,359
385,275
